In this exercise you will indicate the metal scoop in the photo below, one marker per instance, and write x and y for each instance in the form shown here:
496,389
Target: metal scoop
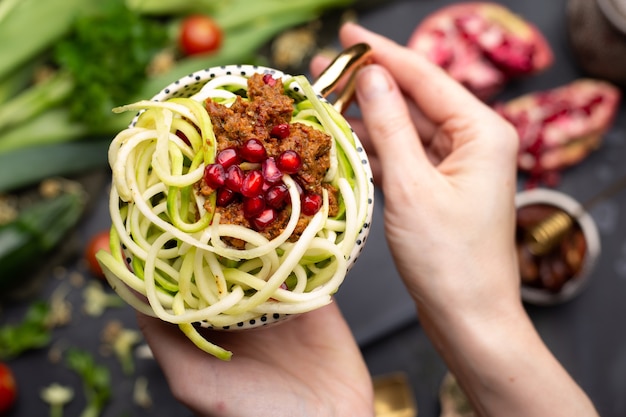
547,234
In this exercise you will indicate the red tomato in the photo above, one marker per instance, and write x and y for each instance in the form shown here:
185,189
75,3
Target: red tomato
98,241
199,34
8,389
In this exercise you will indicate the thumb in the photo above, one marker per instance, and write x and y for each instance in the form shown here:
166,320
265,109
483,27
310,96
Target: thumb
389,124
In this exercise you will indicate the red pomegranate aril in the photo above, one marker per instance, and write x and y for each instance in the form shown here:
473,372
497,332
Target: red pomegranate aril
270,171
269,80
253,206
264,219
276,196
289,162
512,56
311,203
588,108
253,151
214,175
234,178
224,197
280,131
228,157
556,114
252,184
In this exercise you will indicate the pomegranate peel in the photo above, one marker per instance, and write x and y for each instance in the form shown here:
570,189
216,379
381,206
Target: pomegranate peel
482,45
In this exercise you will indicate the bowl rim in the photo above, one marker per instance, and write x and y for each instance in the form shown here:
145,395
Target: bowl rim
190,84
589,228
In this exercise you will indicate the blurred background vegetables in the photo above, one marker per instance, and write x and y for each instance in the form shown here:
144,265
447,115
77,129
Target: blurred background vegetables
8,388
35,232
58,83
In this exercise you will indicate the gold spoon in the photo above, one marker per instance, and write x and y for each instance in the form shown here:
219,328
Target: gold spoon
343,65
545,235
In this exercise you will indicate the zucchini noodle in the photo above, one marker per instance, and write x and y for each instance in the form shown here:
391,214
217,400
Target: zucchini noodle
170,256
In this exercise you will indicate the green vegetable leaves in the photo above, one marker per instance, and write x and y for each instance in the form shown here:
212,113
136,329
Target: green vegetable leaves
107,55
31,333
103,51
96,380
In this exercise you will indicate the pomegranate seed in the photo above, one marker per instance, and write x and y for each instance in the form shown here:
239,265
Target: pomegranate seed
513,56
311,203
252,184
269,80
588,108
276,196
214,175
271,173
253,151
224,196
264,219
253,206
558,113
280,131
289,162
234,178
227,157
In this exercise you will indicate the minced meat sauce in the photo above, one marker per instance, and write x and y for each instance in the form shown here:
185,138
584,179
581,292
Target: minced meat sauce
268,106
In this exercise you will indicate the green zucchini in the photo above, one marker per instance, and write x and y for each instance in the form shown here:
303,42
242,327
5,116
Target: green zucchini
34,234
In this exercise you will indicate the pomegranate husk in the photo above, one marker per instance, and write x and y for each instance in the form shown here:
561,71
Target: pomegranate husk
466,60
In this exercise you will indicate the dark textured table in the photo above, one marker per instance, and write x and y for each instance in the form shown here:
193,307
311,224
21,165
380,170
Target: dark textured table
586,334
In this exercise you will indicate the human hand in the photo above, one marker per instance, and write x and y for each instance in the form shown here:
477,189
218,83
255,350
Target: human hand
447,167
307,366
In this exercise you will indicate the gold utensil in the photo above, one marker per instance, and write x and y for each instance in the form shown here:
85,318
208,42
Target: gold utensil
547,234
393,396
344,64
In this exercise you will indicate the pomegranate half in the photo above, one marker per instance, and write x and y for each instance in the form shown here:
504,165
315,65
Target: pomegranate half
482,45
559,127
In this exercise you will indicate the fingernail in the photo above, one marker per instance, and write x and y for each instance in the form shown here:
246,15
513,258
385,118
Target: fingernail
373,83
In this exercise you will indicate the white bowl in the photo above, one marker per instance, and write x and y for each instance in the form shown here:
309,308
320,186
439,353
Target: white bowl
188,86
589,229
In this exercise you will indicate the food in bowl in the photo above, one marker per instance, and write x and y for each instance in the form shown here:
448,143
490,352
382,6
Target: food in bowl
560,272
239,197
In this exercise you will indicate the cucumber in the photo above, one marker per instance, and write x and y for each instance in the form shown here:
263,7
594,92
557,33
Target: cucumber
34,234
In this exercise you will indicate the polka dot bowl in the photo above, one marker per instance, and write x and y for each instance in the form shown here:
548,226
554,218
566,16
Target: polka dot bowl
191,84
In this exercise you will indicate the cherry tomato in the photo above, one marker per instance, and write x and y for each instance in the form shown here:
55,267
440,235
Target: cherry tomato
98,241
199,34
8,389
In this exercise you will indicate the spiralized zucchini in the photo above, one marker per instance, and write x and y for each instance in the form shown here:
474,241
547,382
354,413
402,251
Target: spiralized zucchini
175,265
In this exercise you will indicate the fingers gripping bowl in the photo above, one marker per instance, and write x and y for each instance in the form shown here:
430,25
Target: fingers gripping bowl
240,197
